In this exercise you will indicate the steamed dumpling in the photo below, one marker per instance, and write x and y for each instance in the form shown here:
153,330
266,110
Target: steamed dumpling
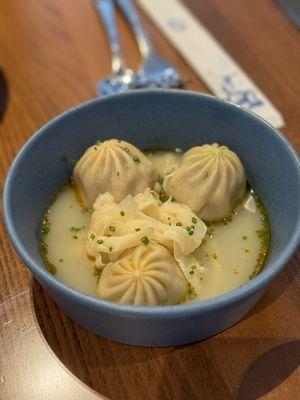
210,179
113,166
144,276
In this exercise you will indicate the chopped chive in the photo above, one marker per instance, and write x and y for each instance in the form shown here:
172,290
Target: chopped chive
110,249
98,142
51,268
118,173
191,272
99,241
112,228
61,260
122,213
75,237
74,229
173,199
190,233
194,220
194,267
178,224
136,159
92,236
145,240
137,229
244,237
210,232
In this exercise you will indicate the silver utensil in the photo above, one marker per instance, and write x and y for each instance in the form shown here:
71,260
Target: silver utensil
122,78
154,71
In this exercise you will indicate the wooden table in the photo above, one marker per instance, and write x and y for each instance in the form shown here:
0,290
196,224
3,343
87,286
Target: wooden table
52,54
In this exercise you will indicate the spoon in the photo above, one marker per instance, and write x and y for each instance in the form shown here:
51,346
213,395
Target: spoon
122,78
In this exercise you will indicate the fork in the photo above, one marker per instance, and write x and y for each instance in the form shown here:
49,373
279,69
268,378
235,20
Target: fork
154,70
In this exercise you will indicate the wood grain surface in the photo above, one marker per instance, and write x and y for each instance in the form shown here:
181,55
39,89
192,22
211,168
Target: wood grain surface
52,53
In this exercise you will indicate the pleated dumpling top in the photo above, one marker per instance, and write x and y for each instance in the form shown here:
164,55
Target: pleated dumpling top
113,166
210,180
144,276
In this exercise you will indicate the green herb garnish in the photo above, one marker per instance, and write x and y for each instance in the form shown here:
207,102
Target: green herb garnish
92,236
112,228
210,232
51,268
178,224
74,229
136,159
145,240
122,213
137,229
99,241
194,220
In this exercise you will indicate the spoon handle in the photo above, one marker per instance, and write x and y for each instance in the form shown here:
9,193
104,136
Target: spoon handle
140,32
106,10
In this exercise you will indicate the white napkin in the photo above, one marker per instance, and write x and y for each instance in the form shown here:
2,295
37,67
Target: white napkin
223,76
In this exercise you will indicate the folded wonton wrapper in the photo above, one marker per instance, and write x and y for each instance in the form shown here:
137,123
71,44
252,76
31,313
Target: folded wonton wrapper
117,227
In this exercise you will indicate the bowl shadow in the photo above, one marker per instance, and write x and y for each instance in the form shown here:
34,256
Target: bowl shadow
196,371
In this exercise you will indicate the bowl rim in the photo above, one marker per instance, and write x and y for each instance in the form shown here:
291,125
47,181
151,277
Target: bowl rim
203,306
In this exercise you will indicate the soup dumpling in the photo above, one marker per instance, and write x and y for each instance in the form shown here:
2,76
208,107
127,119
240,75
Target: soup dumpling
113,166
145,276
210,179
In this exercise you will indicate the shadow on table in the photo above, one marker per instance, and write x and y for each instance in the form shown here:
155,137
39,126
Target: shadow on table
217,368
269,370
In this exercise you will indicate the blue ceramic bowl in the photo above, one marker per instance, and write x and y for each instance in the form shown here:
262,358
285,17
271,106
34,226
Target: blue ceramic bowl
159,119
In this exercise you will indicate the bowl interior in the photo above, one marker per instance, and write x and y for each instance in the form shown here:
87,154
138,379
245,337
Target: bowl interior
153,120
